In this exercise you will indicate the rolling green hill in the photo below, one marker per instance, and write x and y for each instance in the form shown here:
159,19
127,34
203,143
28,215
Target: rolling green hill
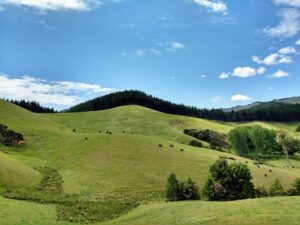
126,164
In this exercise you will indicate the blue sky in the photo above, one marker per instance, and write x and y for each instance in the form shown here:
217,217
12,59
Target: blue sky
207,53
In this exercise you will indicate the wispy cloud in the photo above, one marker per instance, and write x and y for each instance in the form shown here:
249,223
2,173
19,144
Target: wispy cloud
293,3
61,93
159,49
139,53
53,5
288,26
217,6
173,46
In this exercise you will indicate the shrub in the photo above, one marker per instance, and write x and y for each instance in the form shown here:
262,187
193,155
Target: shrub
195,143
229,182
298,129
276,189
172,192
215,139
9,137
188,190
261,192
214,191
180,191
295,189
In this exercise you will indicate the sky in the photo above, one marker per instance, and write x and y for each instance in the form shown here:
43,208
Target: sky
205,53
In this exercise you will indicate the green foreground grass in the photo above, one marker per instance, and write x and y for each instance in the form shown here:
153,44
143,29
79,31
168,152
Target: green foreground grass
127,164
270,211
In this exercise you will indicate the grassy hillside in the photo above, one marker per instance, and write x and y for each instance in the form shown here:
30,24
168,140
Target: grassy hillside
127,163
272,211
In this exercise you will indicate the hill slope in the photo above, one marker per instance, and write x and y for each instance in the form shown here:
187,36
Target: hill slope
128,164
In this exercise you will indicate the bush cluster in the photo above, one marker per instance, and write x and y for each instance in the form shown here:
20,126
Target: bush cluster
180,191
229,182
215,139
9,137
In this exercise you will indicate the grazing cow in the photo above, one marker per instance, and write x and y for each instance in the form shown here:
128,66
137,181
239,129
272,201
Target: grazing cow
270,171
182,150
160,145
266,175
172,146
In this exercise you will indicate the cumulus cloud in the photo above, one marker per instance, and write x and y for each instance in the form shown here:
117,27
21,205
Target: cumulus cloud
287,50
243,72
279,74
52,5
297,42
288,26
61,93
213,5
239,97
273,59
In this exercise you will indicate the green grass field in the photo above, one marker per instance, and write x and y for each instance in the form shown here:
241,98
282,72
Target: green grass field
126,164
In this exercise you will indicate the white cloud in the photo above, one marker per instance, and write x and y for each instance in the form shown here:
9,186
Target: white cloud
243,72
240,97
61,93
213,5
279,74
287,50
270,88
224,75
203,76
288,26
297,42
273,59
52,5
293,3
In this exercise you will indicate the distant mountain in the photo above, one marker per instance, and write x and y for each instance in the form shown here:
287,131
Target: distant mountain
264,105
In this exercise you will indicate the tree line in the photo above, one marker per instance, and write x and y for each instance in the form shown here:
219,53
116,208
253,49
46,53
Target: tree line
284,113
32,106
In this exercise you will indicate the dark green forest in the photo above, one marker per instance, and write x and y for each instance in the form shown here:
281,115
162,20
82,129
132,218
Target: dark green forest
282,113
